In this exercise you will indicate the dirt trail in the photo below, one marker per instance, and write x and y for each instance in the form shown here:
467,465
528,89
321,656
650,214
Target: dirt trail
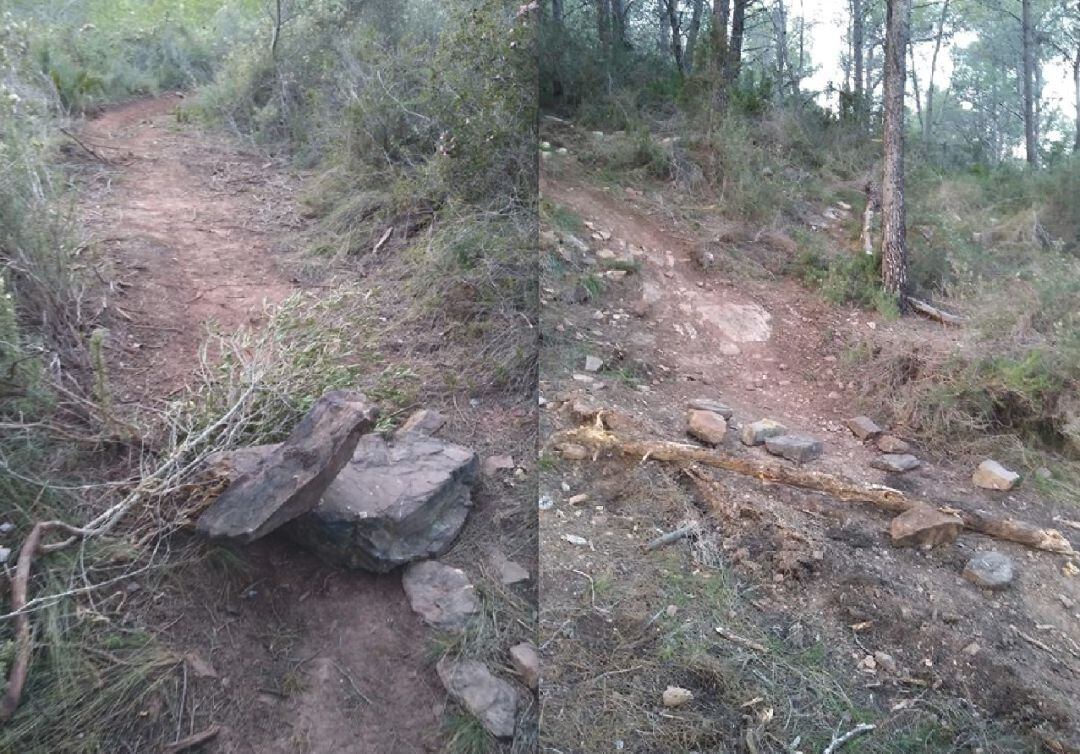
767,348
187,223
304,657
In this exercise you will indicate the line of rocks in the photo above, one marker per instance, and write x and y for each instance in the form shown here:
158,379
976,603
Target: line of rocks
923,526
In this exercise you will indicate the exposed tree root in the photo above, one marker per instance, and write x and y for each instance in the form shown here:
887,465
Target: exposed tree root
888,499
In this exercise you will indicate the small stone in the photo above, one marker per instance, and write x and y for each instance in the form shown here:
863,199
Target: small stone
923,526
492,465
971,649
1066,602
706,426
526,661
863,427
991,475
758,432
892,444
7,527
676,696
671,610
574,539
488,698
577,499
896,463
511,572
593,363
546,503
704,404
886,662
990,569
583,410
425,421
572,452
5,553
1044,474
442,595
798,448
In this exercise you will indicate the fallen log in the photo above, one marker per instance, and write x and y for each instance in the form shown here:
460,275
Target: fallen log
939,315
893,501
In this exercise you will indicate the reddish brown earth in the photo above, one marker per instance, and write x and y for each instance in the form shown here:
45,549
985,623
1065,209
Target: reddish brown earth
303,657
807,568
187,222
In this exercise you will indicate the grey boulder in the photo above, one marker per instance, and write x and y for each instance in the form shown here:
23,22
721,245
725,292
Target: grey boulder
798,448
395,502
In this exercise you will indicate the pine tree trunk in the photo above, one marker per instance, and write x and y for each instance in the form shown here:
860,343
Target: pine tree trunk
857,25
721,12
692,33
1030,142
663,38
894,240
928,119
738,30
1076,89
676,35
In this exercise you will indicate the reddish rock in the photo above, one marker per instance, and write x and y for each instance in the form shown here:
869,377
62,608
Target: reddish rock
923,526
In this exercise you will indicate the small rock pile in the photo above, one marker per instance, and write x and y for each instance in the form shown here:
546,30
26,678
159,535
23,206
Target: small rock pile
361,500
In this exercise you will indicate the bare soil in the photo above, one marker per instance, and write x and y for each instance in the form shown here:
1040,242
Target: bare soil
284,652
813,579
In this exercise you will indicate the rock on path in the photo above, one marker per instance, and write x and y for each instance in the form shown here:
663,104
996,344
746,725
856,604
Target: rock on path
798,448
395,502
990,569
291,478
923,526
991,475
442,595
488,698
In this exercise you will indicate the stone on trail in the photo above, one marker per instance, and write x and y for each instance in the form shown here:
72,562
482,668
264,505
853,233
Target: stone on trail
426,421
706,426
494,464
892,444
676,696
526,661
758,432
863,427
395,502
442,595
896,463
798,448
704,404
573,452
290,479
990,569
593,363
489,699
991,475
923,526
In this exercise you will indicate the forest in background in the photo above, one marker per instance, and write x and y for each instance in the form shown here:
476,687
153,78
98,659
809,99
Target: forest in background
414,124
721,102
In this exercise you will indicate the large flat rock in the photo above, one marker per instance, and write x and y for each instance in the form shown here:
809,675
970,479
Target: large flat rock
289,479
490,699
395,502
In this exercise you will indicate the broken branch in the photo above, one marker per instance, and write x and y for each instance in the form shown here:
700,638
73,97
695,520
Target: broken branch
888,499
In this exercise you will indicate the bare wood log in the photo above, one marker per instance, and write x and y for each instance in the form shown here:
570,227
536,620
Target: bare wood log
741,640
893,501
934,313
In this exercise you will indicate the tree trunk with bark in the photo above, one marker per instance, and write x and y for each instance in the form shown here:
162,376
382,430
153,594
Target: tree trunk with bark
738,30
1028,41
721,13
663,38
676,35
692,33
857,25
557,13
894,261
1076,90
928,118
